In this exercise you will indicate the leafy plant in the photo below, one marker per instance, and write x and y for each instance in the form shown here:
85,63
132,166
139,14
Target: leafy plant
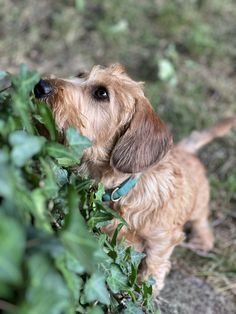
54,258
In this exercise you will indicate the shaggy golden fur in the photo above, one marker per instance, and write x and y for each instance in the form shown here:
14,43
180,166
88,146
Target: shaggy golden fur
128,137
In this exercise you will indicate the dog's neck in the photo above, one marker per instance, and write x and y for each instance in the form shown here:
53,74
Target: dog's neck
96,163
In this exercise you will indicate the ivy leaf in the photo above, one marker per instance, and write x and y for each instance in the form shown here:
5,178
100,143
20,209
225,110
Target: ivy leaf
6,177
95,289
62,154
103,207
77,141
25,146
74,282
73,264
115,234
47,119
99,193
22,85
95,310
60,174
136,257
40,211
133,275
69,156
76,237
147,287
99,219
25,80
49,184
12,249
2,74
132,308
117,281
47,291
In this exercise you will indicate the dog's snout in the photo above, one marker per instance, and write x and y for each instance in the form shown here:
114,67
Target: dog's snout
42,89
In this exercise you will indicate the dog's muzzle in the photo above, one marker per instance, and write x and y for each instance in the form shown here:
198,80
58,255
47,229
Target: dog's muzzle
43,89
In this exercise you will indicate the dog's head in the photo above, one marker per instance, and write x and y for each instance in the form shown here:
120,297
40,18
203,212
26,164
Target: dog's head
108,107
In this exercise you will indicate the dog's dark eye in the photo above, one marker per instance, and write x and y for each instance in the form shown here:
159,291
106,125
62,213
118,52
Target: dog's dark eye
100,93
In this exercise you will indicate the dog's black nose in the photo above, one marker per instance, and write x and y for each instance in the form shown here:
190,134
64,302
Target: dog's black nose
42,89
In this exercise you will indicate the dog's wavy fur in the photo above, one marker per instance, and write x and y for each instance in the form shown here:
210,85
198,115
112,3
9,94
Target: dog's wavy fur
129,138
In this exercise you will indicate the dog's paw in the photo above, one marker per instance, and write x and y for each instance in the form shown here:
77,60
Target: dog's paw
199,245
204,244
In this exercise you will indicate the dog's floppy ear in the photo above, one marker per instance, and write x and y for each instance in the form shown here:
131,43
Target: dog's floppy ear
144,143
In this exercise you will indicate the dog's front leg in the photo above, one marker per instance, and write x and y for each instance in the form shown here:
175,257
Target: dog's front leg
159,247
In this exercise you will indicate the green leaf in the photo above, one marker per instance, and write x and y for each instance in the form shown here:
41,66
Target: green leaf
12,248
73,281
95,310
136,257
95,289
40,211
80,5
77,141
73,264
62,154
75,235
103,207
167,71
133,275
117,281
147,288
132,308
115,234
47,119
25,146
47,292
99,219
61,175
49,184
6,177
25,80
2,74
22,85
99,193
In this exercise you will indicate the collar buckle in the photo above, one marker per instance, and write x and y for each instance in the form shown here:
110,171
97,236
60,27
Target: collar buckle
113,199
120,191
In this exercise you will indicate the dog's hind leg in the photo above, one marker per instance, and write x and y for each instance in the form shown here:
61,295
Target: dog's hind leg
203,238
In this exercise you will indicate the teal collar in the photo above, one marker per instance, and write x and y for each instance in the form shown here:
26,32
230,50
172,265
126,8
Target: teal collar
117,193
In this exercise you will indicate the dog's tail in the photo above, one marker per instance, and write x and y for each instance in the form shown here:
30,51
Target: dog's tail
198,139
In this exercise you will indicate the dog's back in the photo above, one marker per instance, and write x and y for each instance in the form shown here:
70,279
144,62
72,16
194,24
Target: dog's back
194,172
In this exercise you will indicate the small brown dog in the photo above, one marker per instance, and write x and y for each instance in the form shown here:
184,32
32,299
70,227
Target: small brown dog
130,141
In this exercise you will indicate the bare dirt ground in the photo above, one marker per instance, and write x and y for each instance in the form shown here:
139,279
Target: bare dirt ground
199,42
184,294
